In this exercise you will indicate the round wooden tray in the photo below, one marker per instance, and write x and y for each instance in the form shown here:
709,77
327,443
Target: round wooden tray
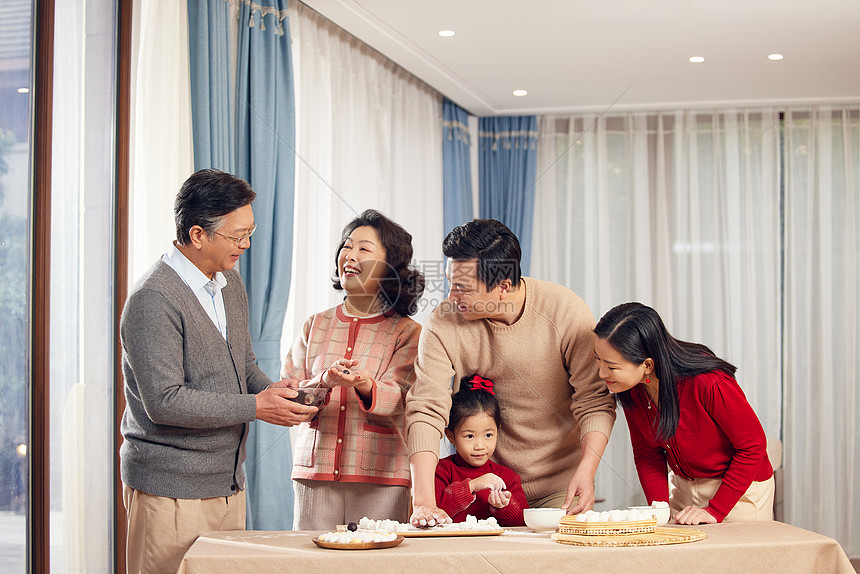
358,546
568,526
659,537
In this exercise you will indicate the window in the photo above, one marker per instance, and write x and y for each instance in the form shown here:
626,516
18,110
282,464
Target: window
15,198
81,307
73,486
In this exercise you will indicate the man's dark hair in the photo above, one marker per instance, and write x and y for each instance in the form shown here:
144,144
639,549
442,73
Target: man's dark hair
205,198
495,247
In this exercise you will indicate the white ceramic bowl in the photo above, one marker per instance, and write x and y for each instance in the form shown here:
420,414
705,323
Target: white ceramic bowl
543,519
661,514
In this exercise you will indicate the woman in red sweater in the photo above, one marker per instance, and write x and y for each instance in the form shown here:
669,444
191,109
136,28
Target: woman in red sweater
468,482
684,408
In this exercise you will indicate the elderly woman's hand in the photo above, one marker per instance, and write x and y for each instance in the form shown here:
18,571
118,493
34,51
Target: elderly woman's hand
342,373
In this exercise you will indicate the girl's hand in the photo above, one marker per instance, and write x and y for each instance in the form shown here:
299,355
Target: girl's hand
694,515
488,480
499,498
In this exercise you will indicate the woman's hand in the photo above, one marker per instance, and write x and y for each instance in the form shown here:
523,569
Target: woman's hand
488,480
499,498
341,373
694,515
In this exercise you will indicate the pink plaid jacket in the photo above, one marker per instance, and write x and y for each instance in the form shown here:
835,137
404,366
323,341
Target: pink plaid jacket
348,440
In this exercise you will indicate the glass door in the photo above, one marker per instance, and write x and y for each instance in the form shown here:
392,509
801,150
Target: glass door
16,61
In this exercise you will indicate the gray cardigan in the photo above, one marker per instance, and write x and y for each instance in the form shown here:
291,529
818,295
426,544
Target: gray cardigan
189,394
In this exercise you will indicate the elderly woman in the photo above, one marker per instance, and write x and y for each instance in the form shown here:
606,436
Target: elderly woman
351,459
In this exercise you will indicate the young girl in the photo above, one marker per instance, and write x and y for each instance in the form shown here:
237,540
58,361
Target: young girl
468,482
351,459
684,408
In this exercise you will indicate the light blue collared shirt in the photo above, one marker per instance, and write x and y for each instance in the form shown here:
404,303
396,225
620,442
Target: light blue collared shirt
207,291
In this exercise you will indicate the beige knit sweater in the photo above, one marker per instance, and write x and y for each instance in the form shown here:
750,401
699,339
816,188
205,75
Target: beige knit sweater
546,383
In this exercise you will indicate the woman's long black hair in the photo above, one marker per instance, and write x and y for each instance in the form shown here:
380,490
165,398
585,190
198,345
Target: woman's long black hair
638,333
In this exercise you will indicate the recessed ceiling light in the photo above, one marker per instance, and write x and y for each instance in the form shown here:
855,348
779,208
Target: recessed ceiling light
446,33
520,93
774,57
697,59
23,90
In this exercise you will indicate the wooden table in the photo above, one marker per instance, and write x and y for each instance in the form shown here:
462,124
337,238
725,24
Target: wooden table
744,547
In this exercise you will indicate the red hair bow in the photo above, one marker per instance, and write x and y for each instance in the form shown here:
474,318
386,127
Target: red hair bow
482,384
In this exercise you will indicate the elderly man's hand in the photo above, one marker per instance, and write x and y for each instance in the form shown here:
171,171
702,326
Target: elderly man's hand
274,406
285,384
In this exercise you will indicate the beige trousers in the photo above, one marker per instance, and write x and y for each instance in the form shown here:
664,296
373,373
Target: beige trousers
161,530
755,504
552,501
322,505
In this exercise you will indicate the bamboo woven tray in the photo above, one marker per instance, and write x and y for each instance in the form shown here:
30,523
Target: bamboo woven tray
569,526
659,537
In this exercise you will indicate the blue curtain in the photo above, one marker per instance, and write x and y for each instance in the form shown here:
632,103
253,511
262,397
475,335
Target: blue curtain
456,166
248,128
266,134
507,162
212,97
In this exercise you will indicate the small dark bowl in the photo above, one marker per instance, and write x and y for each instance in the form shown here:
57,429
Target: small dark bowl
312,396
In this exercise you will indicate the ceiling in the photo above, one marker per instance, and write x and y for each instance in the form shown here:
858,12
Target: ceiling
577,55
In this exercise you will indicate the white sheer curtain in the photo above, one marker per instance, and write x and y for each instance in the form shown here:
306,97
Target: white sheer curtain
369,136
822,346
162,156
81,312
677,210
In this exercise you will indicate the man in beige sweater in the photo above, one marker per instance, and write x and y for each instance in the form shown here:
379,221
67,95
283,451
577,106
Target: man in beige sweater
534,340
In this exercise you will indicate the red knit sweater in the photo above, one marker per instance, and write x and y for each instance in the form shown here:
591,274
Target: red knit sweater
718,436
452,492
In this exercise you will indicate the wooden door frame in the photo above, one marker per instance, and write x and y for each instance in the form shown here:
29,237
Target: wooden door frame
38,527
123,161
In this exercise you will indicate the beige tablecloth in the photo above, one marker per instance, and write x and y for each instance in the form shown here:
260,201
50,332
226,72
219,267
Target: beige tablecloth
746,548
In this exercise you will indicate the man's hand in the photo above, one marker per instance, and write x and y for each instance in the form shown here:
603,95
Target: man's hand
424,510
285,384
581,485
274,406
429,516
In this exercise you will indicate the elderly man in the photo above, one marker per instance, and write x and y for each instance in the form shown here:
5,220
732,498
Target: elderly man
535,340
191,382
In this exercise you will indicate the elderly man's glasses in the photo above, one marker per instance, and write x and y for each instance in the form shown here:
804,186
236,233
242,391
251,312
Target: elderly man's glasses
238,241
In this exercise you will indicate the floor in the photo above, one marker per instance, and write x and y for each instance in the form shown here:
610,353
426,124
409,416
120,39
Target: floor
13,542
